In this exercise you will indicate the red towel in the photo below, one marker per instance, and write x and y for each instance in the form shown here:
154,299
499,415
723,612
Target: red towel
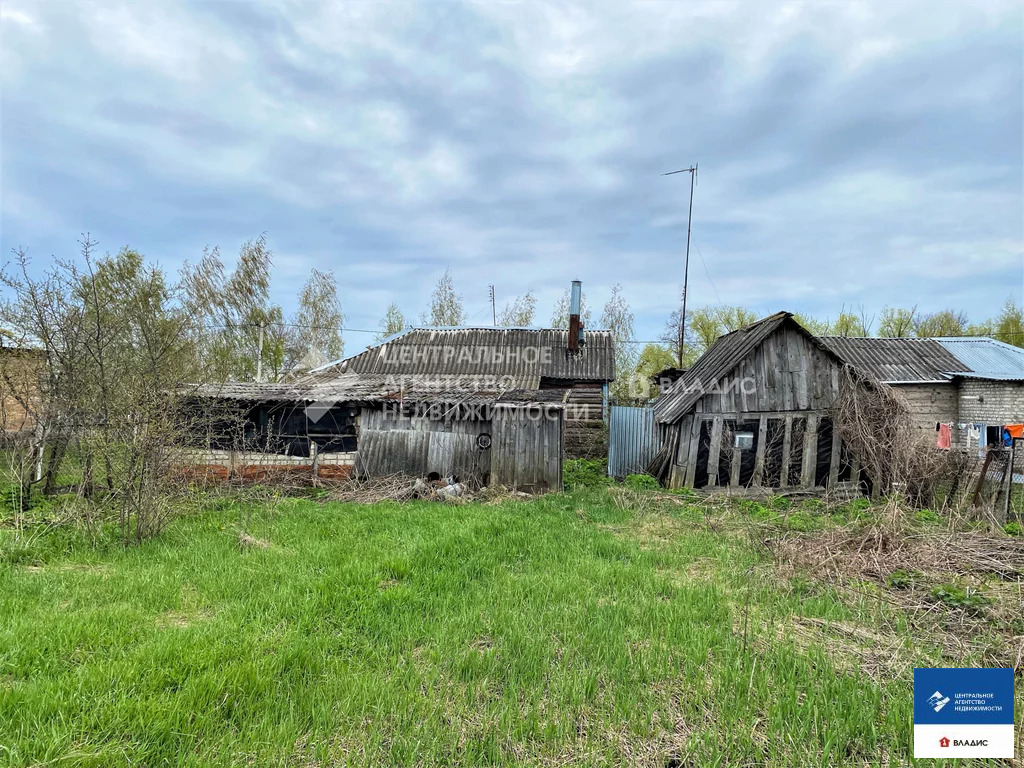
945,441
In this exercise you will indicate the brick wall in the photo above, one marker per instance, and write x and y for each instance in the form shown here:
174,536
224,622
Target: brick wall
19,386
991,402
218,466
930,403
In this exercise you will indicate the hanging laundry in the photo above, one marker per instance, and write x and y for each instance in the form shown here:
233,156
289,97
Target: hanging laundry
945,440
973,435
1015,430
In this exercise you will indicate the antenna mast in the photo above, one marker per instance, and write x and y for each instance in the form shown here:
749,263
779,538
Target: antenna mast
692,170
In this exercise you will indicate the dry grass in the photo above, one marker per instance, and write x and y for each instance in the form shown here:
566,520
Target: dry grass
963,590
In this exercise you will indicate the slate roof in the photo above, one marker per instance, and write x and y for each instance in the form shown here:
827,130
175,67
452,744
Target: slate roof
896,361
720,359
985,358
374,388
524,354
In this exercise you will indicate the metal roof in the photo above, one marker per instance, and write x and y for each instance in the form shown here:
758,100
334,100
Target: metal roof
985,358
896,361
373,388
526,354
723,356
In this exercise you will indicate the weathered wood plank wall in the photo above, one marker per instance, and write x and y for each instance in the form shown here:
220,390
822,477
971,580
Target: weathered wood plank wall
781,393
525,451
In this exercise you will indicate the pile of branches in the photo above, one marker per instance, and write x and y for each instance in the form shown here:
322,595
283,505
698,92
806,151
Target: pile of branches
908,564
877,550
875,423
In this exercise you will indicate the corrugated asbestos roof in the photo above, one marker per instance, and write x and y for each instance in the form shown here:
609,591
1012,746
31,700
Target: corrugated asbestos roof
526,354
373,388
724,355
985,358
894,361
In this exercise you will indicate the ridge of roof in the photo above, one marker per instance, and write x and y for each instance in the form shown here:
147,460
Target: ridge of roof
721,358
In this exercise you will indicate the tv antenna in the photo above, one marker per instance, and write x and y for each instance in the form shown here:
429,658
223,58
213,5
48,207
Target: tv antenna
692,170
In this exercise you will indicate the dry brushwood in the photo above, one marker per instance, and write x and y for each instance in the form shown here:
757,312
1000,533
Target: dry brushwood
874,422
373,489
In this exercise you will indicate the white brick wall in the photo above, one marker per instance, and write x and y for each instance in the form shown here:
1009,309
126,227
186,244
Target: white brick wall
991,402
250,458
930,403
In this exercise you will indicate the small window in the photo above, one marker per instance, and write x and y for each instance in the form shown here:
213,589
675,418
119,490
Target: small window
743,441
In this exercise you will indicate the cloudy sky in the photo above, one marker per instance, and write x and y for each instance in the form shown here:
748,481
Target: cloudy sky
850,153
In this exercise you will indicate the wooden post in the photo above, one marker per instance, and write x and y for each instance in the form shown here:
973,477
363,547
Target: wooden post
1009,482
810,457
714,452
787,437
762,436
737,458
837,452
694,438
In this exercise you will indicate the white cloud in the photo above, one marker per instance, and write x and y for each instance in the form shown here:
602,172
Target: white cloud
840,144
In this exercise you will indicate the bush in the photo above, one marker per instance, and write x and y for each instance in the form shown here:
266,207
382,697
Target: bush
927,516
1014,529
642,483
959,597
585,473
901,579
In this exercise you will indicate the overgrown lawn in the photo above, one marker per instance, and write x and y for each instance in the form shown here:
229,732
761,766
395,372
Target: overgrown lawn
590,628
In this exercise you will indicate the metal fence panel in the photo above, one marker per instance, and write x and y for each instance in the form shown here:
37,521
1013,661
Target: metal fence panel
633,440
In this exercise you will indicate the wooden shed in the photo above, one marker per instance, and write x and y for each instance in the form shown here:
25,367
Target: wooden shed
518,446
755,410
540,360
365,425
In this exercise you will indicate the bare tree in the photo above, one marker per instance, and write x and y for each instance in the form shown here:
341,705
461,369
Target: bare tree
445,304
519,314
948,322
703,327
118,356
813,325
393,322
315,332
897,322
235,328
560,316
618,318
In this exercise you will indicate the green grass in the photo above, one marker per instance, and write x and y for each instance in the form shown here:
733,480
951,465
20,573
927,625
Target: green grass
566,630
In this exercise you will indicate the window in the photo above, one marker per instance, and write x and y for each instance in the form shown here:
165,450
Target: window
743,441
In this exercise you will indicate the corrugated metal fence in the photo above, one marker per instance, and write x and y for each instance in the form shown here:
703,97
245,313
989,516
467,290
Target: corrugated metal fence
632,440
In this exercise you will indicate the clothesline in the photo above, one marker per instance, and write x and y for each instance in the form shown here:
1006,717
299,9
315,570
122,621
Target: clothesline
977,433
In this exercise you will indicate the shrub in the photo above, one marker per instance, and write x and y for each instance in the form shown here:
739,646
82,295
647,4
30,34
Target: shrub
959,597
1014,529
642,483
927,516
585,473
800,521
901,579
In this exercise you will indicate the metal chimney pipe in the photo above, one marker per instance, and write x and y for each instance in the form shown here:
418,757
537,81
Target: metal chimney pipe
575,329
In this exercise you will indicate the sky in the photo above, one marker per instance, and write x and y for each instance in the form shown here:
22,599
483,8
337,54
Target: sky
852,154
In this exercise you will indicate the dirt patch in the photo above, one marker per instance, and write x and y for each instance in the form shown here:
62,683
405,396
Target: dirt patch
101,569
182,619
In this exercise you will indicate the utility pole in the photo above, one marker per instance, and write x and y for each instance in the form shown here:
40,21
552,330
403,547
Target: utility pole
692,170
494,312
259,358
